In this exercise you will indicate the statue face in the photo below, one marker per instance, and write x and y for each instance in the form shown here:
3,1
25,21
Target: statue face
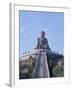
42,34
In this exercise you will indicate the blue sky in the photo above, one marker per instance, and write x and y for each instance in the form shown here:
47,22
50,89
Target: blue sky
33,22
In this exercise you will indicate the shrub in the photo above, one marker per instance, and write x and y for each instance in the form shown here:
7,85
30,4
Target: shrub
58,71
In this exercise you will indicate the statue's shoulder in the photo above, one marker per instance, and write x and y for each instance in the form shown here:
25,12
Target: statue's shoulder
46,39
39,38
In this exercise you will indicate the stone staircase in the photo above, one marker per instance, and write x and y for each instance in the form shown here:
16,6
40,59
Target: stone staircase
41,69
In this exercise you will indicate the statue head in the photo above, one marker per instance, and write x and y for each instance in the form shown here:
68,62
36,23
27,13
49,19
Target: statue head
42,34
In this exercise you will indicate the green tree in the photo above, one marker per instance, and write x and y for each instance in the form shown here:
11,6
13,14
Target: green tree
58,71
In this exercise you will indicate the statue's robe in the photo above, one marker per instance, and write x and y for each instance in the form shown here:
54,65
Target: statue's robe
42,43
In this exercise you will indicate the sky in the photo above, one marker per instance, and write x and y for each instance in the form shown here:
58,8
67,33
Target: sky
31,23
